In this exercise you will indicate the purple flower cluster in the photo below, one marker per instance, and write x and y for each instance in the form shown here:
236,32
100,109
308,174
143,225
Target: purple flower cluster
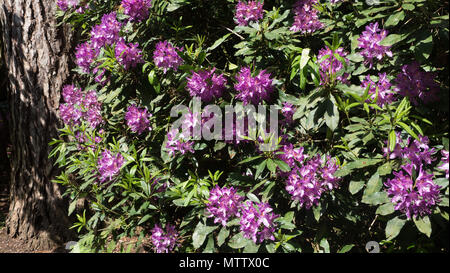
177,143
206,84
137,119
109,165
292,155
78,105
417,84
165,56
92,108
369,41
223,204
257,221
85,55
288,112
444,166
67,4
331,65
307,183
385,96
136,9
245,13
414,198
416,151
107,33
164,241
253,89
128,55
306,19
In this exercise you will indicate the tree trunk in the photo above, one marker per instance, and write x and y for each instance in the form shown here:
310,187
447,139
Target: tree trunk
37,55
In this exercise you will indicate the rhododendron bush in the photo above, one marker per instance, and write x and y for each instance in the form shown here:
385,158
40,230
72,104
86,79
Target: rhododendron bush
358,152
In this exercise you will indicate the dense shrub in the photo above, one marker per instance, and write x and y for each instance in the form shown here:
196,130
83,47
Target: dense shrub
361,88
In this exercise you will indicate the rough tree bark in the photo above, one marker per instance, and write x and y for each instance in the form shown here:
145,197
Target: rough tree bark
37,55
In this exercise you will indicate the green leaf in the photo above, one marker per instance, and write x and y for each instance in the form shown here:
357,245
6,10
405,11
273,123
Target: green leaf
282,165
393,227
376,198
222,236
394,19
249,159
357,164
209,248
324,245
200,233
72,206
253,198
392,140
385,209
385,169
260,169
346,248
408,129
143,219
392,39
218,42
407,6
331,114
373,185
251,247
423,225
355,186
238,241
219,146
304,57
271,165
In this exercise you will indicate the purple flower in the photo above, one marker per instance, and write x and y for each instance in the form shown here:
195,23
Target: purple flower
306,19
70,114
444,166
176,143
413,198
137,119
92,109
100,78
206,84
62,4
85,55
292,156
245,13
288,112
224,203
136,9
128,55
66,4
417,84
253,89
385,96
166,56
257,221
307,183
109,165
164,241
72,94
330,65
369,41
416,151
107,33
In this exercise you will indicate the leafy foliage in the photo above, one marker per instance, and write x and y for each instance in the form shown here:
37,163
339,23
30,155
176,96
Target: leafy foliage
336,117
